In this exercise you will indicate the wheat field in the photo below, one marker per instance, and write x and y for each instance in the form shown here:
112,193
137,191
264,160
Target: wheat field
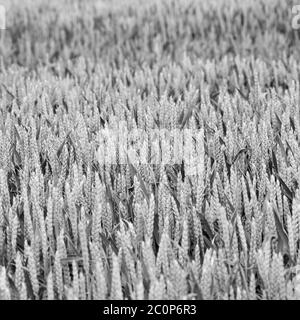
149,150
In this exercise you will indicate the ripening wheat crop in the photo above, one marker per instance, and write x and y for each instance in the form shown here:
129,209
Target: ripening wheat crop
149,150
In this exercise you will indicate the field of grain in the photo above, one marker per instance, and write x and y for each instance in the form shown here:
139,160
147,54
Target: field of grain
149,150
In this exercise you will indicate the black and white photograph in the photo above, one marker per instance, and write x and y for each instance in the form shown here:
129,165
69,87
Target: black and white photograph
149,151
